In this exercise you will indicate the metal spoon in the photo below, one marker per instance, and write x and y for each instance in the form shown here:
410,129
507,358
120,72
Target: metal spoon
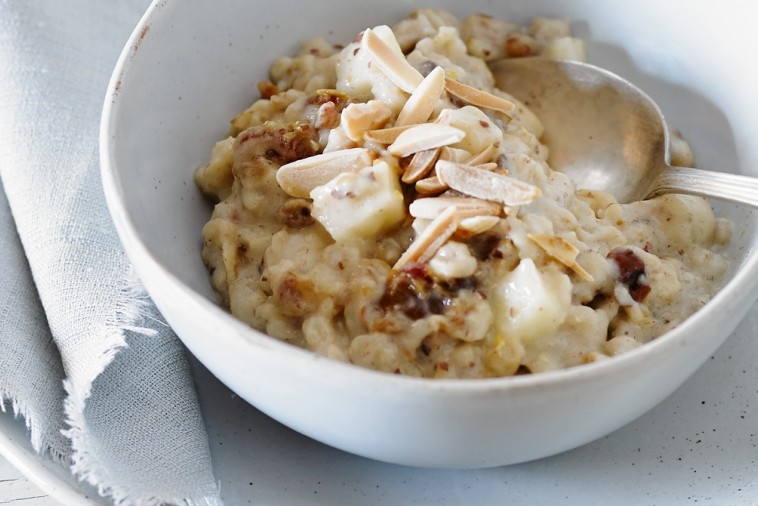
606,134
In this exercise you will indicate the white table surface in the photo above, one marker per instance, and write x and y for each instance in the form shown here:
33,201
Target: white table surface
700,446
16,489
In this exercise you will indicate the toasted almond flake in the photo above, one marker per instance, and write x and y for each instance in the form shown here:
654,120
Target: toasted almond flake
298,178
327,116
562,250
430,186
393,65
429,208
423,248
485,184
420,165
445,117
385,135
358,118
454,155
423,137
490,166
478,97
422,101
483,157
478,224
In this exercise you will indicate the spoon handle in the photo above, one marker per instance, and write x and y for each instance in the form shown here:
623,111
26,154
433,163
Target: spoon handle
704,183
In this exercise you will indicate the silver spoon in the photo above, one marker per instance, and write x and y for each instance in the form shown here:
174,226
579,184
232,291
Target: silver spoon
606,134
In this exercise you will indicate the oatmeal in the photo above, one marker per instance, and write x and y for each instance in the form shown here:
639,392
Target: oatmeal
384,204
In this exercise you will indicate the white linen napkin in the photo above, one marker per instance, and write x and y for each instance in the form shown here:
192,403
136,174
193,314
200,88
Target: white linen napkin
81,346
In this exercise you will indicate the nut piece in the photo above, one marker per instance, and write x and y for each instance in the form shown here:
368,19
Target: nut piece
393,65
420,165
454,155
423,248
385,135
430,186
430,208
477,97
296,213
489,166
486,185
358,118
422,101
562,250
327,116
298,178
478,224
423,137
483,157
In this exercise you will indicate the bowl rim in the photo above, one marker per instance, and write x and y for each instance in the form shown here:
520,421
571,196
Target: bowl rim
743,283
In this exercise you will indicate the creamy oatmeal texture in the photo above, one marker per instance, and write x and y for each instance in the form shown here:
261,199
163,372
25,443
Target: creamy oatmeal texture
384,204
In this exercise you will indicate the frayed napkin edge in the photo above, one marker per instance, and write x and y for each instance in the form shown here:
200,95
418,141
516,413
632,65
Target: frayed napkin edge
133,308
36,435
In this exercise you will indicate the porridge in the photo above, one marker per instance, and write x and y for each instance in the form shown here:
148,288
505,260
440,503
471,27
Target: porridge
384,204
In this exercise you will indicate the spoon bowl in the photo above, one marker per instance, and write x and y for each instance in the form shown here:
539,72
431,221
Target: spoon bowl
607,134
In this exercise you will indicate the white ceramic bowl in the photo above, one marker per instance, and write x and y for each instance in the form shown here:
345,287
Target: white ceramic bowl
191,66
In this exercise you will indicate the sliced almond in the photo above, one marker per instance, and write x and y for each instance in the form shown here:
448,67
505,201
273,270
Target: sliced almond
421,164
430,186
422,101
483,157
298,178
556,246
358,118
477,97
489,167
454,155
485,184
429,208
385,135
393,65
327,116
423,137
561,250
445,117
423,248
478,224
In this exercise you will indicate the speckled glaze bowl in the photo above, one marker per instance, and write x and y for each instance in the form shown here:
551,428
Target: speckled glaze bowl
191,66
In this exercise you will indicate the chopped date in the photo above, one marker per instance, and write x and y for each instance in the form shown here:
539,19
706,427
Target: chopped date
416,294
631,272
416,270
483,246
457,284
412,296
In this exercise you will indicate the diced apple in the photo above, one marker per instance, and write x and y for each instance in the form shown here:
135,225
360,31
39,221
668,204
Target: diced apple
453,260
530,304
481,131
359,204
